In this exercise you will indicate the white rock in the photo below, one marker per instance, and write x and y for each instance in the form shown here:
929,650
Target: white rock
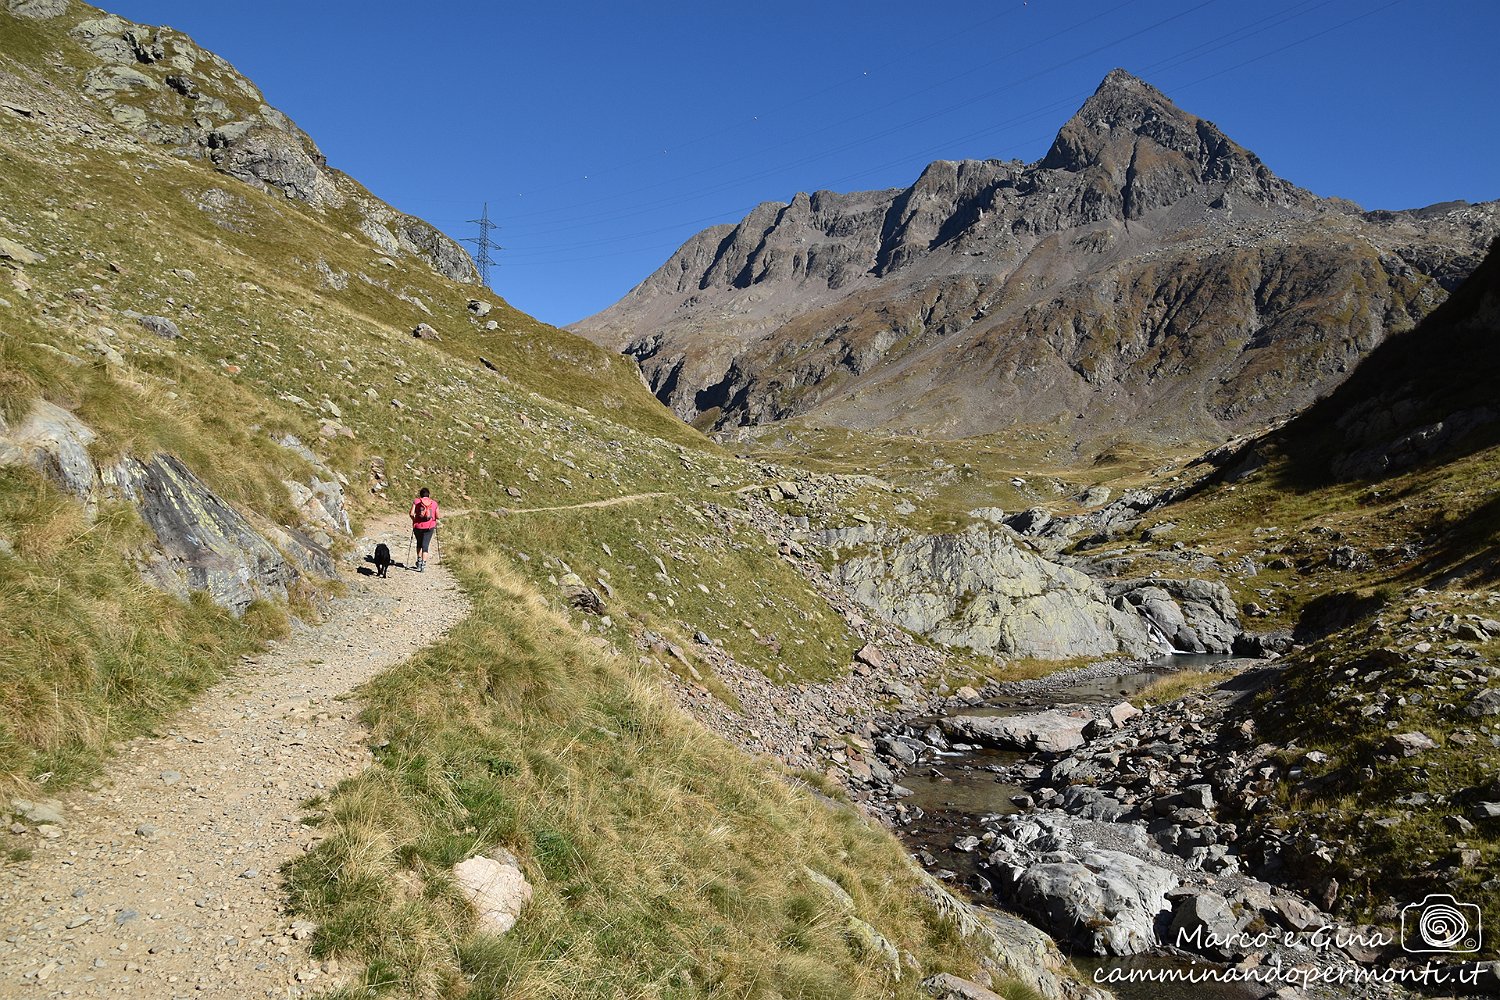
495,887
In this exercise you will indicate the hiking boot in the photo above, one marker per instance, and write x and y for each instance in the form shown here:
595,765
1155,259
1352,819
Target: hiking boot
421,565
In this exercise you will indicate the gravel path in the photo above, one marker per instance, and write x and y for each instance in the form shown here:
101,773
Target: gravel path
164,881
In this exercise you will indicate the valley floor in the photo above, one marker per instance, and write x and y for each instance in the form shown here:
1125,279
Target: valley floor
165,881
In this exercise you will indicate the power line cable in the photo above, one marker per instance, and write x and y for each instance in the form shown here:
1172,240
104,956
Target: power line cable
1174,61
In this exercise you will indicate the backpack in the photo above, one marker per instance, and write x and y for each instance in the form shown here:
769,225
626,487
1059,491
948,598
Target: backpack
426,510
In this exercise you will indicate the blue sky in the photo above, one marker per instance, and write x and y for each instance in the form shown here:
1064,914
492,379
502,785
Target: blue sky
603,135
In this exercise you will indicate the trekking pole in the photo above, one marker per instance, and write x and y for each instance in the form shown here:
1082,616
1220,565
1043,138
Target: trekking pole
408,552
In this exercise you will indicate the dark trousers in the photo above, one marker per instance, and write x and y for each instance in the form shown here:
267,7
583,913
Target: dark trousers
424,539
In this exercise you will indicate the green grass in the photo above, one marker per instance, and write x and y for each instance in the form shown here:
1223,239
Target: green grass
729,584
665,863
1177,685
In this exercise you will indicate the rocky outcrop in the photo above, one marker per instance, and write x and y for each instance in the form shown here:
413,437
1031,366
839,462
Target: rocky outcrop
1147,273
55,443
201,542
158,85
204,543
1013,948
980,589
1104,901
37,10
1194,616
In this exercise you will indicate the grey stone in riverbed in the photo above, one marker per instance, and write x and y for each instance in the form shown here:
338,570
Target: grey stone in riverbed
1050,730
1105,902
1203,921
1091,803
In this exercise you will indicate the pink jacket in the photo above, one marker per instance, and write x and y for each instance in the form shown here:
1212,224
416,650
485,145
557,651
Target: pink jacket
417,510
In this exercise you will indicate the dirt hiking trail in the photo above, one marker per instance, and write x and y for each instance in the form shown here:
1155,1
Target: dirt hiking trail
506,511
164,882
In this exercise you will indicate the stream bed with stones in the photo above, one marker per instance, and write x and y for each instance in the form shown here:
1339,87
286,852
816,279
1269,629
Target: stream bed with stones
1020,801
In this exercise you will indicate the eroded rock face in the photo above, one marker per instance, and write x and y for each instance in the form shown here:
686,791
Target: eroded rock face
269,157
37,10
56,444
205,544
160,86
982,590
1196,616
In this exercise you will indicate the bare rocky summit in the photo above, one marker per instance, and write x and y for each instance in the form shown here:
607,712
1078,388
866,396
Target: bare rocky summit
1148,271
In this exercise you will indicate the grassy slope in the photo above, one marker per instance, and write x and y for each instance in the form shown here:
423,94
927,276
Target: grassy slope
666,863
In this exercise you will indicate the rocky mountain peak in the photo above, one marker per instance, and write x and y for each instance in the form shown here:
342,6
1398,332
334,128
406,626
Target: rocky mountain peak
1146,249
1140,143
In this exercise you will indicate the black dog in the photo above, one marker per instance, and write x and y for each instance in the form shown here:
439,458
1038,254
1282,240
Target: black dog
382,558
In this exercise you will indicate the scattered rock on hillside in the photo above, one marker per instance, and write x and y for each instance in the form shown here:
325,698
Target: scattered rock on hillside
425,332
1409,744
161,326
495,886
13,251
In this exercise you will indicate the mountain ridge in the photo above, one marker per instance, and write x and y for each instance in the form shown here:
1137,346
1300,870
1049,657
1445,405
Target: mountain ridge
844,309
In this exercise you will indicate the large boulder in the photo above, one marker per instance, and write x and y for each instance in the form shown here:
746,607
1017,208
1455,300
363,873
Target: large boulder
55,443
204,543
1053,730
981,589
1104,902
1195,616
1203,921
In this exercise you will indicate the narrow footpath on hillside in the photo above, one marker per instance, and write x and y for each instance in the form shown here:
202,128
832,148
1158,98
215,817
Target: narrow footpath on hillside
164,881
590,504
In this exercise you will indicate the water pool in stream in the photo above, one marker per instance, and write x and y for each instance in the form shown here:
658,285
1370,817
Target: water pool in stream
959,787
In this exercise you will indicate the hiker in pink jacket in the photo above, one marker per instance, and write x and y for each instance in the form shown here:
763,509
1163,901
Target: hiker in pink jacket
424,519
